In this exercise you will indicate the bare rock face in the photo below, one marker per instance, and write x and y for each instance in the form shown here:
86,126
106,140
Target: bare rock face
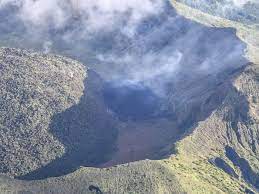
34,87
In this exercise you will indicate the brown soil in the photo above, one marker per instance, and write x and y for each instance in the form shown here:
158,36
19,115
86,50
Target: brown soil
142,140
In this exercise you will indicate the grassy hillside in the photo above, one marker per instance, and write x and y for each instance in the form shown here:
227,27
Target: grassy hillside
42,99
241,11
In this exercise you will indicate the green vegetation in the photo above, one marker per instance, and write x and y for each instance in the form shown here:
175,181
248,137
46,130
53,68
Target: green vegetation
49,115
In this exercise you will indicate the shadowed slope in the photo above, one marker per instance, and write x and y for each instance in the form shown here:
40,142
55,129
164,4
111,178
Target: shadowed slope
34,87
86,130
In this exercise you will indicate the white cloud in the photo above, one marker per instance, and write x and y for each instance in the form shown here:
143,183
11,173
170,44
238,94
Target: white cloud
43,12
96,36
96,14
149,65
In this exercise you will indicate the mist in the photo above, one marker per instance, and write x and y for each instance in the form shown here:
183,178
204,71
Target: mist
95,15
125,42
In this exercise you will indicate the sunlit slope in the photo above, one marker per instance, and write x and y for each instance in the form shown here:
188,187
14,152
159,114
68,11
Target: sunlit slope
228,138
243,11
33,88
49,113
